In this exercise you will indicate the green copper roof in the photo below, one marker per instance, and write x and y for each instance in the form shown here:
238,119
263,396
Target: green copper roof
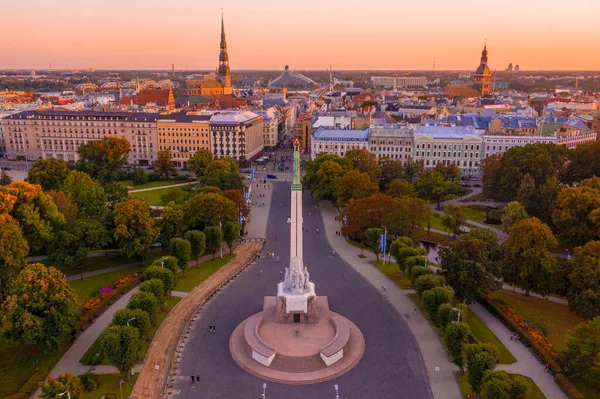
296,185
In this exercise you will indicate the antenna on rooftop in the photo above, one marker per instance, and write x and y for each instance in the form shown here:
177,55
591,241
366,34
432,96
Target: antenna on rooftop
434,63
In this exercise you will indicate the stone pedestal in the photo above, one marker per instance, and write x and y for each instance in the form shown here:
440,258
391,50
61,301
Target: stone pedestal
296,315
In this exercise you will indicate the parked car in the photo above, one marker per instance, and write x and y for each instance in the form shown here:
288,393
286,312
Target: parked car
270,176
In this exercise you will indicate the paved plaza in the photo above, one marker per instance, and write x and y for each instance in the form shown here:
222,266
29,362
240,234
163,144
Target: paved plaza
392,365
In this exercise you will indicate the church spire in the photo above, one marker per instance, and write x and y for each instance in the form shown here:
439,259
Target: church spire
224,72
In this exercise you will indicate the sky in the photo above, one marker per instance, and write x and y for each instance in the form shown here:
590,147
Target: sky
306,34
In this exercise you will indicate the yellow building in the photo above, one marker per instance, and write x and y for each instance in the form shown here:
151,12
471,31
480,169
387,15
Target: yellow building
302,130
483,75
183,134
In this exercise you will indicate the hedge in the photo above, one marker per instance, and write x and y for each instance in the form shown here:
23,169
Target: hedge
567,387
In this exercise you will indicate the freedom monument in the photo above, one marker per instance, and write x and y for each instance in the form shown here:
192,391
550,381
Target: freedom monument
296,339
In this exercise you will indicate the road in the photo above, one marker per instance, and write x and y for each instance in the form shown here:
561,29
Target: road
392,366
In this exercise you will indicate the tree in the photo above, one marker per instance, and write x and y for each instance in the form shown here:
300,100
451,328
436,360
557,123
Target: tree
115,193
49,173
311,180
231,232
214,238
139,176
164,164
134,317
237,197
169,262
41,308
500,385
13,250
172,224
433,298
364,161
513,213
432,185
155,287
134,228
64,205
413,168
199,162
583,351
491,169
203,210
224,174
391,169
428,281
354,184
448,314
373,239
526,191
197,241
470,266
406,217
400,188
584,290
175,194
182,250
454,218
167,277
403,248
87,194
145,301
584,163
103,159
74,243
121,345
572,214
53,387
449,172
327,176
526,252
5,179
479,359
456,336
365,213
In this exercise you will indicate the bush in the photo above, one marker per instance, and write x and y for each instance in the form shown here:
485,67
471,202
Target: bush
89,381
141,322
407,252
428,281
155,287
446,314
154,176
144,301
139,176
433,298
413,261
169,262
567,387
165,275
493,217
418,271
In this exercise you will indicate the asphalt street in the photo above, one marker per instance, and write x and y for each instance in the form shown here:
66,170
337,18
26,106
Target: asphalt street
392,366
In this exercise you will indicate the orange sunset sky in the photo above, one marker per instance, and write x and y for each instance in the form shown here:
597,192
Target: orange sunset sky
307,34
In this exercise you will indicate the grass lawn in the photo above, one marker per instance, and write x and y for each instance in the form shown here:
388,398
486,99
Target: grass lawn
484,334
196,275
17,360
87,288
475,198
475,215
465,387
153,197
391,270
109,383
96,347
434,237
435,222
553,318
152,184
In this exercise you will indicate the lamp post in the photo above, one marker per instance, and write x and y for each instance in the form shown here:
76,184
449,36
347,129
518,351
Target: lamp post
264,394
221,229
337,391
458,310
121,382
69,395
132,319
162,264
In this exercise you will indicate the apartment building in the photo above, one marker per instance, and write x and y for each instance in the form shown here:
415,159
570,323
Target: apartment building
183,134
338,142
394,141
236,134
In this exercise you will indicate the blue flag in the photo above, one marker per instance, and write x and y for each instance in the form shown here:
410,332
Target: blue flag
253,174
383,243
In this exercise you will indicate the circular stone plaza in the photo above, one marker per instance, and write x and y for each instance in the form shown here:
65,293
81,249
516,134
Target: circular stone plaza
306,322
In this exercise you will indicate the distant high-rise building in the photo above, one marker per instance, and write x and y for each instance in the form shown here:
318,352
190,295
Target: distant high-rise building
510,67
517,68
483,75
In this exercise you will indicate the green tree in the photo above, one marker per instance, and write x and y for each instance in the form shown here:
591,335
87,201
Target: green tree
479,358
231,232
224,174
428,281
74,243
432,185
214,238
365,213
87,194
199,162
433,298
583,351
167,277
237,197
391,169
169,262
13,250
49,173
407,216
584,163
450,172
115,193
571,215
41,308
64,205
203,210
156,288
182,250
526,191
400,188
526,252
364,161
327,177
121,345
5,178
52,388
448,314
373,239
133,317
513,213
197,240
584,290
456,336
145,301
103,159
454,218
139,176
311,181
413,168
500,385
134,229
164,164
354,184
175,194
172,223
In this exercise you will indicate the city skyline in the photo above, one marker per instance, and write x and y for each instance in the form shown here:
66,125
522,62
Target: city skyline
151,36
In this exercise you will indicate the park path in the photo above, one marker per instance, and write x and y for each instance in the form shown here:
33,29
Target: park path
527,364
440,370
162,187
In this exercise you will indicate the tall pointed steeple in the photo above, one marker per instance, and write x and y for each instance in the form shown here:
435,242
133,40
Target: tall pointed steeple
224,72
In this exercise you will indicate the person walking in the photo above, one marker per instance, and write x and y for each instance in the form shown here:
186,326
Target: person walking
277,259
261,272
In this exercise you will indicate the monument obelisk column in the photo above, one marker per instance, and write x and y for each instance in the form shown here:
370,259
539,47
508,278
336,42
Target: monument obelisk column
296,208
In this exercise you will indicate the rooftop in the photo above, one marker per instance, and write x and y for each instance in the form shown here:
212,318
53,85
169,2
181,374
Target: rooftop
322,134
448,132
233,117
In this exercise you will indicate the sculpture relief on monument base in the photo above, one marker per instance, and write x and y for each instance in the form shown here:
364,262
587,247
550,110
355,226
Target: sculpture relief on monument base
283,316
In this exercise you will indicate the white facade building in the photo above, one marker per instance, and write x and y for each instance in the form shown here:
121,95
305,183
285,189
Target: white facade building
338,141
394,141
399,81
495,144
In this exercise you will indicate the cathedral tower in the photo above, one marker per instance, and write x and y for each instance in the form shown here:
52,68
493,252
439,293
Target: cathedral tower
483,75
224,75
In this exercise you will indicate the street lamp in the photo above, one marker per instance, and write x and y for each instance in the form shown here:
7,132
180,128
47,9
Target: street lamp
162,264
458,310
221,229
264,394
121,382
69,395
132,319
337,392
